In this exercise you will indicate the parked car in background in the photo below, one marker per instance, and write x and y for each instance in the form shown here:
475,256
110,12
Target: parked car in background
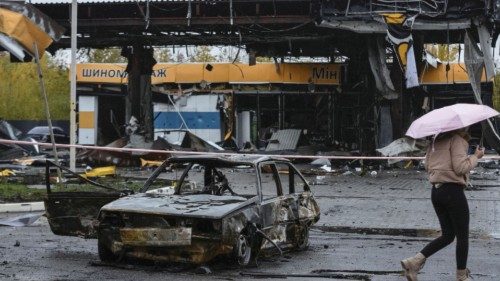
234,206
42,134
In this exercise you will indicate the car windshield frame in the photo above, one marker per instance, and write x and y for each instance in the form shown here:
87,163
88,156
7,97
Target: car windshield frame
187,169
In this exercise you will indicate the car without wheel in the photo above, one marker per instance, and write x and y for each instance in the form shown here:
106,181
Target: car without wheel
193,216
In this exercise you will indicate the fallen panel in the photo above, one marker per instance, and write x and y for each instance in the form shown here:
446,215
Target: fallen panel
24,220
284,140
402,146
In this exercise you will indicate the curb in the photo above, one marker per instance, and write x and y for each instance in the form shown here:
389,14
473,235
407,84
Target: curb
407,232
22,207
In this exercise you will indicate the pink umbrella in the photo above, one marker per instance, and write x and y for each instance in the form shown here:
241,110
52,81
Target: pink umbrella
449,118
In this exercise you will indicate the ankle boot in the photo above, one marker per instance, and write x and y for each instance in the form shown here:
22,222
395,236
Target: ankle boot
463,275
412,266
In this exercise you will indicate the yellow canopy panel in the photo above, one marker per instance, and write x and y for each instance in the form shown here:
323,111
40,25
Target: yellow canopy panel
456,75
191,73
24,31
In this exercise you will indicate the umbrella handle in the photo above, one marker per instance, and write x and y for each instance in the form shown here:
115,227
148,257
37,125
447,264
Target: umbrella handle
434,140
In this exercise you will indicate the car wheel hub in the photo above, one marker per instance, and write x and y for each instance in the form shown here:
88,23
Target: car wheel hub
244,251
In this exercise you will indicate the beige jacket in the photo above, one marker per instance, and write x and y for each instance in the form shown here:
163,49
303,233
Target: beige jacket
448,161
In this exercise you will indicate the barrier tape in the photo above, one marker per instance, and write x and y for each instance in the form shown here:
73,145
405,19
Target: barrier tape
291,156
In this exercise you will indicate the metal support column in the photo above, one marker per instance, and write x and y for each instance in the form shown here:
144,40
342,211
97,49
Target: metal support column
72,113
258,119
280,112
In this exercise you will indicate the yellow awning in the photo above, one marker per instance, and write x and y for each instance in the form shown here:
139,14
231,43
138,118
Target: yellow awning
456,74
192,73
24,31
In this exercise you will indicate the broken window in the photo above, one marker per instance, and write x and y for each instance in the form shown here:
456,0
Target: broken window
269,181
219,180
299,183
290,180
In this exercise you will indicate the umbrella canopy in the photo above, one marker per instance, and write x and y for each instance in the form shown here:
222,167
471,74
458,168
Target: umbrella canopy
449,118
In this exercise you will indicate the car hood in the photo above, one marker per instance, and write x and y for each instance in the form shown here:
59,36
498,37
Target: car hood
200,205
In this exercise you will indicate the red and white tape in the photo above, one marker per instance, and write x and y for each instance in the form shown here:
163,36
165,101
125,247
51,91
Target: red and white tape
291,156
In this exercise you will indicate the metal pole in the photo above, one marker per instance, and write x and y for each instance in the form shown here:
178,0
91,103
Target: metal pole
47,111
72,113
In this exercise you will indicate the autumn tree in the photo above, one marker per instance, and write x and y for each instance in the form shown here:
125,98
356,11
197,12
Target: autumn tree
202,54
496,92
444,52
162,55
179,57
108,55
264,59
228,54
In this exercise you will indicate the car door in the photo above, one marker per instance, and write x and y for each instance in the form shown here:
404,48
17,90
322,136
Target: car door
305,208
75,213
308,208
289,200
274,210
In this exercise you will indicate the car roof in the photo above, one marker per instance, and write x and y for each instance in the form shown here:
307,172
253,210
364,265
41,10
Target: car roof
44,128
232,160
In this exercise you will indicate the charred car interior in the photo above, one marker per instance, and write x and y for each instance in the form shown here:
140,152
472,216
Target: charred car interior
193,209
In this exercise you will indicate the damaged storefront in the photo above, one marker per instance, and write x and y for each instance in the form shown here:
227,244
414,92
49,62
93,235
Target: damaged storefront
235,106
306,108
445,84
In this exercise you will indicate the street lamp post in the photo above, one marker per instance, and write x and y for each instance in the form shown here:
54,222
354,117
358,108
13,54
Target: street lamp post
72,115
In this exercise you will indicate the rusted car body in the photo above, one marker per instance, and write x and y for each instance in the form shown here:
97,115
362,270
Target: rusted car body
232,206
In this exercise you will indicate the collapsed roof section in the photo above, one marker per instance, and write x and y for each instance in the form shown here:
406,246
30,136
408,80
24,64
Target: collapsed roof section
265,27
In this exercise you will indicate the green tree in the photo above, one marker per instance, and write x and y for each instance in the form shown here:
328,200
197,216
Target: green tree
20,91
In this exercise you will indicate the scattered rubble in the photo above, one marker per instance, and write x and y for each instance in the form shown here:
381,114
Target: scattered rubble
99,172
23,220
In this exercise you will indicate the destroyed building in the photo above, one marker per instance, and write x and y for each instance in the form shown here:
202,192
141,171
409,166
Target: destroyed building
249,103
216,101
380,45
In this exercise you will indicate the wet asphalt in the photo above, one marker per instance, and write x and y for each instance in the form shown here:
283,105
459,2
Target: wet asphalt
342,247
34,253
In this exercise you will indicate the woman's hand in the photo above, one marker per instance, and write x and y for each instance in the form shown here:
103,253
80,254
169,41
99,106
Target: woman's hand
479,153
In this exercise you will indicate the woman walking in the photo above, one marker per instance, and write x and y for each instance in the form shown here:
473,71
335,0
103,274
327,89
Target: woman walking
448,166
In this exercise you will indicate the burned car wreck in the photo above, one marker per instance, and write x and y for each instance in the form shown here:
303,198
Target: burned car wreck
237,206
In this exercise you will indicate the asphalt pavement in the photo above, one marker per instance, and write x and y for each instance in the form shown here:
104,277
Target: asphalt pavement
368,224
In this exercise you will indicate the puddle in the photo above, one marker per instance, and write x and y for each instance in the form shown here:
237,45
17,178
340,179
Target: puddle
495,235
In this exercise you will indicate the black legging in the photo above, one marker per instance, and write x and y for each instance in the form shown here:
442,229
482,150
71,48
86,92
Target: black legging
452,209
